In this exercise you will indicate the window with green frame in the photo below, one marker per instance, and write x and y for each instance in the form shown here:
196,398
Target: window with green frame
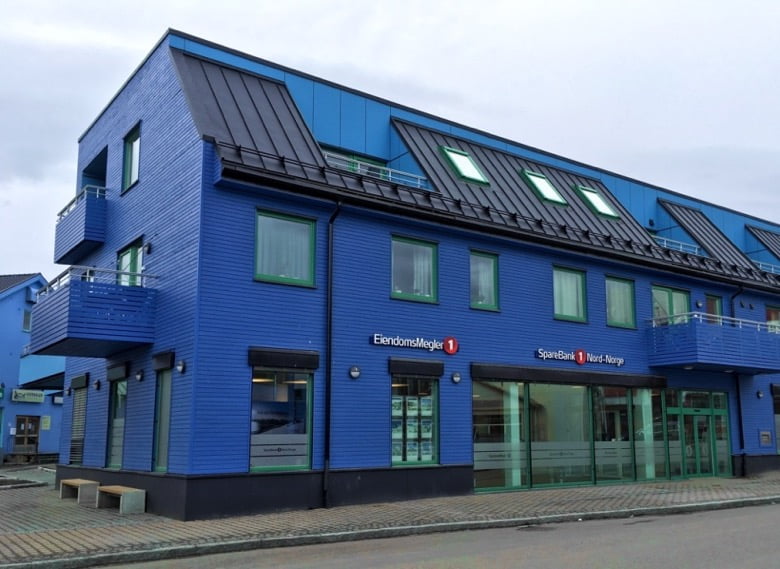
773,318
621,310
284,249
670,305
129,263
596,202
414,420
569,295
464,165
484,280
414,270
543,187
132,155
280,423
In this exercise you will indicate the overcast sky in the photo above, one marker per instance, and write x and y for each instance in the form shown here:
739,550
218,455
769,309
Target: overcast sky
684,94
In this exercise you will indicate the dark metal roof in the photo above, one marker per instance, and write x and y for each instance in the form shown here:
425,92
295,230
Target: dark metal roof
8,281
261,138
245,111
508,191
707,235
769,239
55,381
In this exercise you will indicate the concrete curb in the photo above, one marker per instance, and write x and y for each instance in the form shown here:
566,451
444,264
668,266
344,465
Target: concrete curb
230,546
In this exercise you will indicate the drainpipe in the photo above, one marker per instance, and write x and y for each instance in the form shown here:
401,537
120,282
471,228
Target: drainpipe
328,359
735,375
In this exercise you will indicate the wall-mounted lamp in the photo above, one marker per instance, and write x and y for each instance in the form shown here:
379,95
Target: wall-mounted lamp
147,248
354,372
69,391
759,394
181,365
455,377
139,375
96,385
699,304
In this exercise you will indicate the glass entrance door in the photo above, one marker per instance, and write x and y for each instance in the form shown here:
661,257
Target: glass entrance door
698,445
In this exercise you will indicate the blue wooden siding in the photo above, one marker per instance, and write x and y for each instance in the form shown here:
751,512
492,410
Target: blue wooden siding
81,231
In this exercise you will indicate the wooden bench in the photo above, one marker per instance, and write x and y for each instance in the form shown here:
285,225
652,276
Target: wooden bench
130,500
85,491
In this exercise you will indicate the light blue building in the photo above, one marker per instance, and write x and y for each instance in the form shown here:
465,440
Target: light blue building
286,293
30,385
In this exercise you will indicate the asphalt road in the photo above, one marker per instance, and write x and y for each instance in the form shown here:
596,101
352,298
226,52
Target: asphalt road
724,539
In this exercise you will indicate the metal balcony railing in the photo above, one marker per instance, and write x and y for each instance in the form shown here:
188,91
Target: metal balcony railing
96,191
767,267
715,319
96,275
375,171
678,245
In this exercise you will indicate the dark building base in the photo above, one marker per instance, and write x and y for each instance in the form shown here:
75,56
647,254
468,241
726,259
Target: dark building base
756,465
202,497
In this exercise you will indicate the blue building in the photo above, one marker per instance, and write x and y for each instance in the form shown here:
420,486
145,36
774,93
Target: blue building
30,385
285,293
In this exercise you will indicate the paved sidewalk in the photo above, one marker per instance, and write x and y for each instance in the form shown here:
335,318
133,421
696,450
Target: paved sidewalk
38,530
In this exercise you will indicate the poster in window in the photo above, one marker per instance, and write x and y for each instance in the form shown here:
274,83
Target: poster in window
426,450
412,406
398,406
412,427
398,451
426,406
426,428
412,451
398,428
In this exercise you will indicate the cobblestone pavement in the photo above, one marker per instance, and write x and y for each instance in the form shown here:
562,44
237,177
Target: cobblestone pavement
39,530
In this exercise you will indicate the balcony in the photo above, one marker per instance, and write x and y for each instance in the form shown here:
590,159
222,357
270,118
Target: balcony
351,164
81,226
93,313
709,342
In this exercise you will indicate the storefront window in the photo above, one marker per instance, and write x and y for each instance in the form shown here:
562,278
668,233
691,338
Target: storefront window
414,418
612,439
500,441
649,449
281,417
560,435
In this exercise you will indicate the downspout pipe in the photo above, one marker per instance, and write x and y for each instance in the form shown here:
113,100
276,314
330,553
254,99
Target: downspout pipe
741,430
328,394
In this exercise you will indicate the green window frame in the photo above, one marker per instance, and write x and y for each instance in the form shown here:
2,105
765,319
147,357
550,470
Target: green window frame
131,165
281,419
483,268
414,428
284,249
162,419
414,270
773,318
464,165
569,295
543,187
621,305
596,202
130,260
670,305
116,423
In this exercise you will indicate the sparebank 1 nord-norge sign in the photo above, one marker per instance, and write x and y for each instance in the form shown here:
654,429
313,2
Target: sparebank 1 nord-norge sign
580,357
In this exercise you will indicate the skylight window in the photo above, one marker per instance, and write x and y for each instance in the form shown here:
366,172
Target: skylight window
464,165
597,202
543,187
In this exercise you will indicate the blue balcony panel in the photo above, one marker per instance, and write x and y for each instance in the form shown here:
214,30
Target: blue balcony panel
92,319
715,343
81,226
